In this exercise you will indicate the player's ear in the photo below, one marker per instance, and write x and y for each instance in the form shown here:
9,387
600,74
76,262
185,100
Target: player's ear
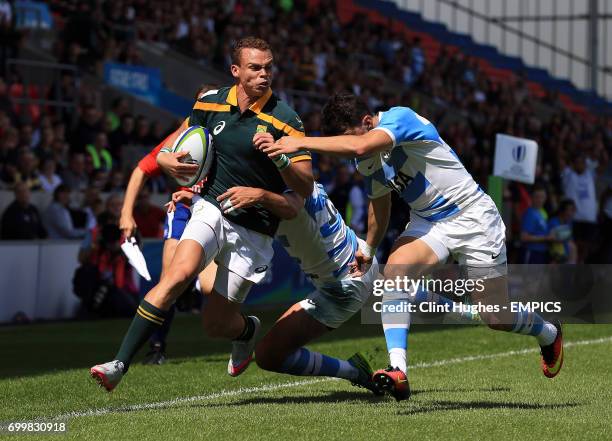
235,70
367,123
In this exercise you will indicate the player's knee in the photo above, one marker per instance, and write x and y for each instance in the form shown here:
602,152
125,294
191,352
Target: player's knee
178,275
267,359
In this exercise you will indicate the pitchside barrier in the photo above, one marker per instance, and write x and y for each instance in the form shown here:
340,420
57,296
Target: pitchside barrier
36,279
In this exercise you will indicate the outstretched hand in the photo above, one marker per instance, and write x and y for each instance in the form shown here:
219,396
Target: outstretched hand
183,196
285,145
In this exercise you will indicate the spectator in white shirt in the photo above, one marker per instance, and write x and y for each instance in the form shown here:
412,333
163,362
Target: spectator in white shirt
579,185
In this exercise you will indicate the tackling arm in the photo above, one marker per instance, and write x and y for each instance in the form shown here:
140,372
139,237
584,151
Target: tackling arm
284,206
344,145
379,212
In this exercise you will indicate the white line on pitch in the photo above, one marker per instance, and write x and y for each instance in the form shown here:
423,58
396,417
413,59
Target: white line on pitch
506,354
271,387
182,400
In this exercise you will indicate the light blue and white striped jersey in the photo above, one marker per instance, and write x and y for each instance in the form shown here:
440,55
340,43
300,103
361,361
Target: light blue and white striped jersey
421,167
318,239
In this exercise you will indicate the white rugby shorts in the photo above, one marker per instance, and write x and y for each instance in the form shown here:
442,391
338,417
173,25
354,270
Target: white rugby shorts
333,303
475,237
243,252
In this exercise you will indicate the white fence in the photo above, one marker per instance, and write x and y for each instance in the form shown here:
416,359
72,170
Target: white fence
36,279
36,276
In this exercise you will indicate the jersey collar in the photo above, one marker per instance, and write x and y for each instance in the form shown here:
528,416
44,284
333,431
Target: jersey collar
256,107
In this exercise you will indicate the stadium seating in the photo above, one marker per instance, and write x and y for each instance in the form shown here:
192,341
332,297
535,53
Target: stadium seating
499,67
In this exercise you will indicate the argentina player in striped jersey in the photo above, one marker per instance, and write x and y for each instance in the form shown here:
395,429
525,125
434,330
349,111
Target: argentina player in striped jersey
314,233
399,150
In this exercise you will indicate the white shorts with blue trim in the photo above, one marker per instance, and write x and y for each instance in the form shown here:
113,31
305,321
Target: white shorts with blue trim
475,237
333,303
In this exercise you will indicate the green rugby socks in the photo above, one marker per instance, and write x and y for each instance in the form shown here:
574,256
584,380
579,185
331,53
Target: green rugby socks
147,320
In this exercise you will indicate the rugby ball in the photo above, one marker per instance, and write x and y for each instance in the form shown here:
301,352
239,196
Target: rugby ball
197,141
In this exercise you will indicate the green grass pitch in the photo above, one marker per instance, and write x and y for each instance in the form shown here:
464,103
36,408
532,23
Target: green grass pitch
468,383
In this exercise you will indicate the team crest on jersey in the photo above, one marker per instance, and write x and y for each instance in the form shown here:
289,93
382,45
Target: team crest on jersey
261,129
219,128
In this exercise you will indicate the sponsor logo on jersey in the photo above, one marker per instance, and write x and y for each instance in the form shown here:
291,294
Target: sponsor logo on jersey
219,128
400,182
261,129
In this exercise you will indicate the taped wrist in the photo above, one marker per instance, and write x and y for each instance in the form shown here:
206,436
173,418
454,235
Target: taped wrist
367,250
281,162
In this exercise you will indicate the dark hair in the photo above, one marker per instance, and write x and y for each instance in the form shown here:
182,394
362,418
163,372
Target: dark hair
62,188
565,204
248,43
342,112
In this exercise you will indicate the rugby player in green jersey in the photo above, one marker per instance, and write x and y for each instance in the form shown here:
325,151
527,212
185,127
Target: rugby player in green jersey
238,240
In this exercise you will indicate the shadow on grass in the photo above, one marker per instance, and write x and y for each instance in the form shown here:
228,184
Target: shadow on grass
340,397
362,396
358,396
445,406
460,390
343,397
80,345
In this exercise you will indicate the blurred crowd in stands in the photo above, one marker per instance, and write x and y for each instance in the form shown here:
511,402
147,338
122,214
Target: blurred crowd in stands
565,217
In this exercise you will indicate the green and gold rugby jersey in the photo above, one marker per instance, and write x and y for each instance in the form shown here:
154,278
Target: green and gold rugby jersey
237,162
